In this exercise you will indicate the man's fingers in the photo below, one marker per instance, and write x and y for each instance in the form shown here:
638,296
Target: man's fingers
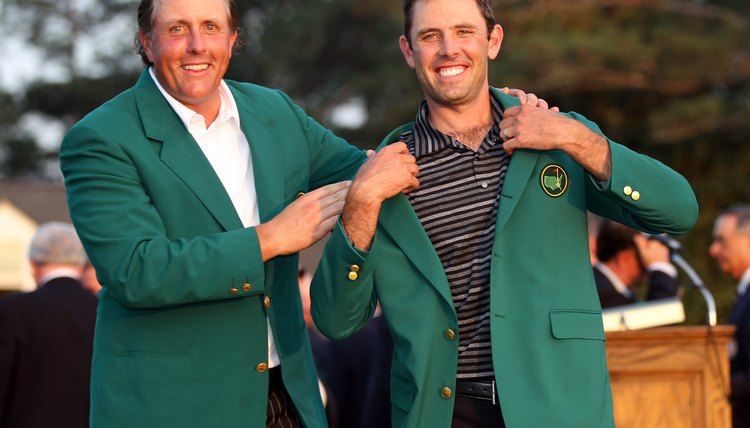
328,190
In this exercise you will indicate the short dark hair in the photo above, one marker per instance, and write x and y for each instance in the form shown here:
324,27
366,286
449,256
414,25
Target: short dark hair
485,6
742,213
612,239
146,17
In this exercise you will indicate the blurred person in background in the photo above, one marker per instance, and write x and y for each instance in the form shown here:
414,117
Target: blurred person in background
46,338
730,248
627,258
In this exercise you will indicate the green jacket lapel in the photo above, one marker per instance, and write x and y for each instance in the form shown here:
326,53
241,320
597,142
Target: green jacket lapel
181,153
521,165
400,222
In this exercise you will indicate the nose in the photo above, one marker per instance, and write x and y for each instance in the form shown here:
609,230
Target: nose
196,43
448,46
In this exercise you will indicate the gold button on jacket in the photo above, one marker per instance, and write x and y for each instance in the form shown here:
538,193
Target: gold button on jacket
450,334
267,301
247,287
260,368
446,392
234,290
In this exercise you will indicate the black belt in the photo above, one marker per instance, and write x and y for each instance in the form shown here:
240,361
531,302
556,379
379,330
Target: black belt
478,389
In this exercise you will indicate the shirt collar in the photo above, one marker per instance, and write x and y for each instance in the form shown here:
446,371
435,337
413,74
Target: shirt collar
744,283
619,285
227,111
61,272
428,139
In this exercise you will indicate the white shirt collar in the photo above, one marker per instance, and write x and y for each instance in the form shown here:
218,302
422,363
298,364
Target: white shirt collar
744,283
619,285
61,272
227,111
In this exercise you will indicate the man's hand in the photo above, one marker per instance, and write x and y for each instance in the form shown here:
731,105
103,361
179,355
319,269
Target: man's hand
651,250
304,222
526,127
528,99
386,173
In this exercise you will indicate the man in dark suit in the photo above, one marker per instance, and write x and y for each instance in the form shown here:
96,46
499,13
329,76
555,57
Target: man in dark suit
626,259
46,338
731,249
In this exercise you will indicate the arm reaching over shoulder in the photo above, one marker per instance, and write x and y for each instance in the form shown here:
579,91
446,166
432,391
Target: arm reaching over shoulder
528,99
525,127
304,222
386,173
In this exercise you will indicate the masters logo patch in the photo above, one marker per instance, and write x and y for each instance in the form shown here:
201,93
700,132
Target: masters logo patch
554,180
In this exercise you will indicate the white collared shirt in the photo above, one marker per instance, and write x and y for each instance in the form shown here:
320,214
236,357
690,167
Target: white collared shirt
228,151
61,272
620,286
744,283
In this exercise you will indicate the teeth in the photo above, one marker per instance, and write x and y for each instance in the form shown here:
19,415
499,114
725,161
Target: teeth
451,71
195,67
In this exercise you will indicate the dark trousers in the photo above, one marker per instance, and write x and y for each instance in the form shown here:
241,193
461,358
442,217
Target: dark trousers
476,413
281,412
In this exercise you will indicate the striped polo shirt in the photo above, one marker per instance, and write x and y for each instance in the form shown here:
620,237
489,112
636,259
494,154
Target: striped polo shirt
457,202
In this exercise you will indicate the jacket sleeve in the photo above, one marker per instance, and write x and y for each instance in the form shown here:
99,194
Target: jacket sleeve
342,290
642,192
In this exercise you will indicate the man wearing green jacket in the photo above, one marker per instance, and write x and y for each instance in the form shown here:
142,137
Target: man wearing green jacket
469,228
192,196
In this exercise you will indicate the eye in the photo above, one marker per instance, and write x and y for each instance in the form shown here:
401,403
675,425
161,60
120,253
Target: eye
177,29
429,37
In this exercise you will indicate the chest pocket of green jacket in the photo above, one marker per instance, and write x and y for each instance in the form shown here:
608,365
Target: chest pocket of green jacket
576,325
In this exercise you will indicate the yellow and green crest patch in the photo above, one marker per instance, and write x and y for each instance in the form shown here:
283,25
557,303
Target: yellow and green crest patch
554,180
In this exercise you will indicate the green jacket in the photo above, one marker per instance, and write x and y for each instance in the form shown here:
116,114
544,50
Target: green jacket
547,335
181,326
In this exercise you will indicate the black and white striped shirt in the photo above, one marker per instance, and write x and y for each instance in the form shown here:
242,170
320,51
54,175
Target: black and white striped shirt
457,202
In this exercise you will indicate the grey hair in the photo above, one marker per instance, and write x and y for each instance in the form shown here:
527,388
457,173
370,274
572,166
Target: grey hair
58,243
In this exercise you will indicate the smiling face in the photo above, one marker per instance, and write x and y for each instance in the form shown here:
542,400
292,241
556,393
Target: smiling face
450,50
190,46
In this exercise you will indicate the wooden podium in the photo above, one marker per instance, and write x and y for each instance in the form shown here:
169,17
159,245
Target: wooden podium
670,377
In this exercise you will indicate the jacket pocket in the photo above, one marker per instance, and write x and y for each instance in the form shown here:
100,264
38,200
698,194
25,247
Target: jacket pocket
576,324
402,393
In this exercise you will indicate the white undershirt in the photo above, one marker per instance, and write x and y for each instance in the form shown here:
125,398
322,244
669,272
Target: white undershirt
620,286
227,149
744,283
61,272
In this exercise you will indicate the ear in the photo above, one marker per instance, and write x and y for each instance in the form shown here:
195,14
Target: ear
232,41
496,39
146,43
406,50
